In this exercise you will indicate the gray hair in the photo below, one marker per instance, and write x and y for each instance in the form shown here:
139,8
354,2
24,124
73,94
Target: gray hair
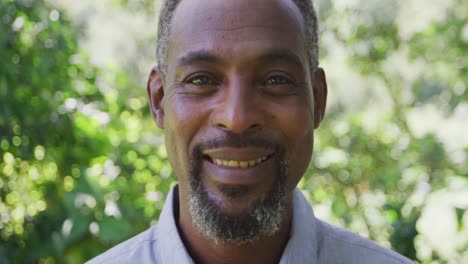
264,216
305,6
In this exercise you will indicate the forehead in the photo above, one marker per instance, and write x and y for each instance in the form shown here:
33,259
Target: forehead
234,28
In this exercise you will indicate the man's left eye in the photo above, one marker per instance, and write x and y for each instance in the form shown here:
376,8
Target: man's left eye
277,80
279,84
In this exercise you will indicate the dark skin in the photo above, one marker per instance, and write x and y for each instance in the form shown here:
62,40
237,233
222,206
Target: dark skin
243,69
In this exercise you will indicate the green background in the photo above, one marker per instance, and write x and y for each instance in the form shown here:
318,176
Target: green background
83,167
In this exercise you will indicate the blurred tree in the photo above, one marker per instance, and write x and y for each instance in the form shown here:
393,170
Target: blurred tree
374,168
74,180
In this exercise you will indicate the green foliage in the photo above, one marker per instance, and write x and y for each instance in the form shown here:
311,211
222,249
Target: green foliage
379,176
83,167
74,179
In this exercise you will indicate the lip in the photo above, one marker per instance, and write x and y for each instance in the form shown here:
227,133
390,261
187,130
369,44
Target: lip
238,154
237,175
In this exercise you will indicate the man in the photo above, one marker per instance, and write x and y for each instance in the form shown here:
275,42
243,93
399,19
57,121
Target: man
239,93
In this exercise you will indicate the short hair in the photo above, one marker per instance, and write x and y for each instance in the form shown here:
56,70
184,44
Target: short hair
305,6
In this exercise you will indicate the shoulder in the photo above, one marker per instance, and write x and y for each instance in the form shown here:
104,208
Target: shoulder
138,249
337,245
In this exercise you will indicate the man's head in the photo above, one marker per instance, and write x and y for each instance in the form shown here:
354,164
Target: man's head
238,94
305,6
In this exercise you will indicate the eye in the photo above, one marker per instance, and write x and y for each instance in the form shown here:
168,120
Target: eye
200,80
277,80
200,84
279,84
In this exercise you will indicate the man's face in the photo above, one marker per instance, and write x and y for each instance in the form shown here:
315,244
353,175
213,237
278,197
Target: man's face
237,103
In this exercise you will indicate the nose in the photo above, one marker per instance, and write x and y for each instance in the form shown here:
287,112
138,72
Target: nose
238,111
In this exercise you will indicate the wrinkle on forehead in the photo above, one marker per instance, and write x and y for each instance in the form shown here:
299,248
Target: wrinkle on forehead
234,16
237,31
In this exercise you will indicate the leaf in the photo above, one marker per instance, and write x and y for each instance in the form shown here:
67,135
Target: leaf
113,230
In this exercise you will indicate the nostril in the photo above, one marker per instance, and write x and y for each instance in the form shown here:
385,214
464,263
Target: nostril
255,126
239,120
221,125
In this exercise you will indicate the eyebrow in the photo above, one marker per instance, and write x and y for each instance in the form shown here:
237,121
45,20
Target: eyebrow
282,55
197,57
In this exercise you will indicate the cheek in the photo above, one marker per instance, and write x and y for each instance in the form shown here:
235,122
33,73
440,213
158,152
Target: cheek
180,127
182,119
296,119
297,124
183,124
299,159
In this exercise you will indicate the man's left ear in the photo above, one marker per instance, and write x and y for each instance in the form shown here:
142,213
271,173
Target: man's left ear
320,90
155,91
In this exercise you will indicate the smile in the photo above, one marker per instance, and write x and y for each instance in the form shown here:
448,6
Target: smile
239,164
238,157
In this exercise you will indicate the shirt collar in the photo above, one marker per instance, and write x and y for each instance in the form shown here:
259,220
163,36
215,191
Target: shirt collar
172,249
301,247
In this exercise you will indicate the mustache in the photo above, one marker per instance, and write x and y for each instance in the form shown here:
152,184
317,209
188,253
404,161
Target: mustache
229,139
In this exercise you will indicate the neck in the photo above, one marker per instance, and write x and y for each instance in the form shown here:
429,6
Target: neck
204,250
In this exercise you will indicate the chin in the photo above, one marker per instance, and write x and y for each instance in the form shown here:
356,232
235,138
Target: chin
235,212
241,219
236,200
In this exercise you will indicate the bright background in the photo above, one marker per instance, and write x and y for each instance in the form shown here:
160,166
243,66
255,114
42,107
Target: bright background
82,165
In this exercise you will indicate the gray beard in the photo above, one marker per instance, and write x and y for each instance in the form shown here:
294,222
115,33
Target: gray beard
262,219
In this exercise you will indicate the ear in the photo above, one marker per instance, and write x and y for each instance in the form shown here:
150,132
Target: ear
155,90
320,91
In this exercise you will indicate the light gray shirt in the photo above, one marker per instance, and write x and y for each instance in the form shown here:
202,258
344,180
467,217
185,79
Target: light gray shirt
311,241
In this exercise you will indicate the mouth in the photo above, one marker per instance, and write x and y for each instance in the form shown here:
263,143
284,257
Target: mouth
238,163
238,158
247,166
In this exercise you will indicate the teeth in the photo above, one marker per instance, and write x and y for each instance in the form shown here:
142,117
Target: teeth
239,164
243,164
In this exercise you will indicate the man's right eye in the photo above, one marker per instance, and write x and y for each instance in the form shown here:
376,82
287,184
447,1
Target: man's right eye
200,80
200,84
